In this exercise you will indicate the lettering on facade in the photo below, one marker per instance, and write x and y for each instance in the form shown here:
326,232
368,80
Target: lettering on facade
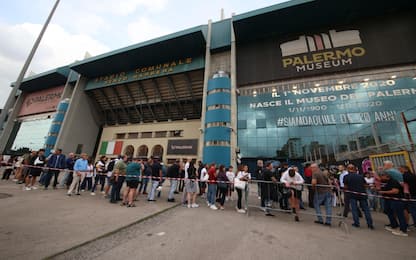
322,51
143,72
296,105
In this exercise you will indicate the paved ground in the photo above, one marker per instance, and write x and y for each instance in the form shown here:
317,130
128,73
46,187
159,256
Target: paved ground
37,224
202,233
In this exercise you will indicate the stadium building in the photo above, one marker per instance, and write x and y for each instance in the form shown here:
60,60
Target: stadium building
303,80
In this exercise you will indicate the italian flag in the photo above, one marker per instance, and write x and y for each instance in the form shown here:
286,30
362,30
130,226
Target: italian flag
111,147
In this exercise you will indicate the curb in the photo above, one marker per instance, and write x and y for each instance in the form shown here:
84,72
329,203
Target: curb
111,232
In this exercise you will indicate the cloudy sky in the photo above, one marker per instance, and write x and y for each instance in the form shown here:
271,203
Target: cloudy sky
96,26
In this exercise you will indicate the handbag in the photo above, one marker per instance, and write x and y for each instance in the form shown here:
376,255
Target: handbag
239,184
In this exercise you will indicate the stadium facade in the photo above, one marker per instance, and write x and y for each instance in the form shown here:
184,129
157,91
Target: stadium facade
302,80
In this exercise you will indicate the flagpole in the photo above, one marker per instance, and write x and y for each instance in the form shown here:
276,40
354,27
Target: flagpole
11,100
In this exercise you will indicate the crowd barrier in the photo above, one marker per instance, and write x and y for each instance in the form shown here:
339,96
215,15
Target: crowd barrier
45,169
248,201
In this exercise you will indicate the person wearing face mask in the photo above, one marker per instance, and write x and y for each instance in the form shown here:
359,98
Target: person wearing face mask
293,180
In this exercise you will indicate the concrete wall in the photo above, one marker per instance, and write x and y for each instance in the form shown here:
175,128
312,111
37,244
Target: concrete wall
220,61
81,124
190,130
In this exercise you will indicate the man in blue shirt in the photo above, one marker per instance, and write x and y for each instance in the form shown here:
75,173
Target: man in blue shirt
80,168
56,162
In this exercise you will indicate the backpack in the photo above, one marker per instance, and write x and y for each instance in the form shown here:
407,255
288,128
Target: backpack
110,166
191,172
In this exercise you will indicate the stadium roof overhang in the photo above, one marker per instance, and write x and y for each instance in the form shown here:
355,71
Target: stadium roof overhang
48,79
186,43
299,16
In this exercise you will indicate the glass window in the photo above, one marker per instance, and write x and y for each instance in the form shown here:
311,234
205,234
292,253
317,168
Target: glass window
241,124
261,123
32,134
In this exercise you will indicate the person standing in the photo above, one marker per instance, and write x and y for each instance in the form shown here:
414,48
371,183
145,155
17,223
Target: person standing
353,184
222,185
267,188
146,178
80,168
293,180
100,174
371,189
133,171
89,176
230,176
191,185
244,176
57,163
37,162
119,175
258,175
392,192
284,198
173,175
203,180
323,195
308,180
409,180
157,176
212,186
67,178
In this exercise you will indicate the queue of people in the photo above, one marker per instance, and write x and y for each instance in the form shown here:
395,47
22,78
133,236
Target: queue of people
279,184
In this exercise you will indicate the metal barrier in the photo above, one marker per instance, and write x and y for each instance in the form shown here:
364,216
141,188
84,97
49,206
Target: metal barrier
275,197
398,158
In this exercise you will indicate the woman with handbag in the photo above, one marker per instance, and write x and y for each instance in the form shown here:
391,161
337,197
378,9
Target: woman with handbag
241,184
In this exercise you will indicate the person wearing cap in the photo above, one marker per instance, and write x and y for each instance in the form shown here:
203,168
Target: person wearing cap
393,194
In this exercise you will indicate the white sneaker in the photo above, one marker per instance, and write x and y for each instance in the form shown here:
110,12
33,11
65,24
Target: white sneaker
82,190
399,233
34,188
259,197
242,211
213,207
208,204
103,192
195,205
27,188
93,193
388,228
189,206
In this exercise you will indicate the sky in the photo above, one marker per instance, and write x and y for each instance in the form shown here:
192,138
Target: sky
96,27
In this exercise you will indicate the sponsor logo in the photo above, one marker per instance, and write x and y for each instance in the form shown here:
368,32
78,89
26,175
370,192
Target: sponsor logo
322,51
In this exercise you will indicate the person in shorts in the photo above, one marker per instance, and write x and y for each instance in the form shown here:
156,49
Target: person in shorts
293,180
133,178
37,162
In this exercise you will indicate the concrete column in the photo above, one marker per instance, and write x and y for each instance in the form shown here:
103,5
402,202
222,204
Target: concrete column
207,74
81,124
233,75
9,124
